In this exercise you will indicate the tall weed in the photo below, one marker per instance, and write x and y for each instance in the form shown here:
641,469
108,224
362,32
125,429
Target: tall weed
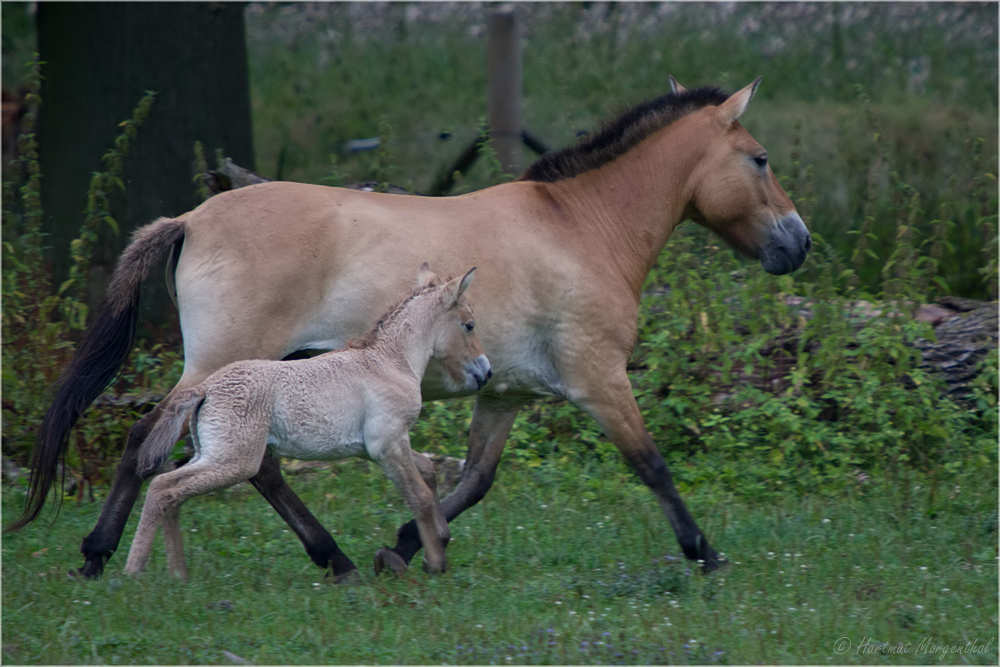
40,321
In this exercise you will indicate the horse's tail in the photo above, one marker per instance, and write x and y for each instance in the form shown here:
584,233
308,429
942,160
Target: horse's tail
99,357
167,431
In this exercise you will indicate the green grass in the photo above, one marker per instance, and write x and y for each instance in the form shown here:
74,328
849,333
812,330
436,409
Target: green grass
559,565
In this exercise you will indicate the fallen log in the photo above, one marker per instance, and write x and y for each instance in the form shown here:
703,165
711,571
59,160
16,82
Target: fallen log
230,176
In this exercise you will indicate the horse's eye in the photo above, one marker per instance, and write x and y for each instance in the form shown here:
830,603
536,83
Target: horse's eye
761,160
469,326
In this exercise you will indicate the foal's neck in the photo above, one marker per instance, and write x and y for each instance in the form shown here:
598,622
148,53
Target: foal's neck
405,336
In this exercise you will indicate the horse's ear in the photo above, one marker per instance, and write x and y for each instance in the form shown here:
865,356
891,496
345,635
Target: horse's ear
426,277
675,87
734,107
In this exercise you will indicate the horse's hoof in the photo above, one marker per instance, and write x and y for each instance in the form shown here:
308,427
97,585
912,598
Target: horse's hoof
430,569
714,564
349,578
81,574
387,558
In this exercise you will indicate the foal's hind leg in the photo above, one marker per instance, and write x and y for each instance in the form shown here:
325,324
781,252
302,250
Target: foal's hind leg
166,494
318,542
174,542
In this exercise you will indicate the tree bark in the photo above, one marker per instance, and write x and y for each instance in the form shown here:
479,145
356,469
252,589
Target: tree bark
100,58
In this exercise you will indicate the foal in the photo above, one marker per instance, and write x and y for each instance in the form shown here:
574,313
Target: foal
358,401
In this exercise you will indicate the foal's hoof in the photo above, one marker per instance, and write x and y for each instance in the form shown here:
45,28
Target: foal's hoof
349,578
387,558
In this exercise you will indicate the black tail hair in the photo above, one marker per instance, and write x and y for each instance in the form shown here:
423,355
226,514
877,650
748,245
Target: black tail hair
98,361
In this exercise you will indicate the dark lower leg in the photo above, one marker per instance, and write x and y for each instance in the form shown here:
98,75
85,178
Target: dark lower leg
652,469
102,542
319,544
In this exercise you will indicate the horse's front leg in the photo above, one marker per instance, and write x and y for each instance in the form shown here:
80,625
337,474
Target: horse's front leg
318,542
102,542
491,423
610,401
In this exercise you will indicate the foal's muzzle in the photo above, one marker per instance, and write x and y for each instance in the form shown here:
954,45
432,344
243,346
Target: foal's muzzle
478,372
787,247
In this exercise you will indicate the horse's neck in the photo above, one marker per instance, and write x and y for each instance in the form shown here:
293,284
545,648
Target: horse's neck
629,207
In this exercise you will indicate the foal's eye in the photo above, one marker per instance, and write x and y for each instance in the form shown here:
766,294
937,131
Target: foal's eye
469,326
761,160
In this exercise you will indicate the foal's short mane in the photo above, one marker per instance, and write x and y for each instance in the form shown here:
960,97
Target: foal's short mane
390,316
617,136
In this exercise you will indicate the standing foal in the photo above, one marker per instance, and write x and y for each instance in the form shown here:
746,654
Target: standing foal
359,401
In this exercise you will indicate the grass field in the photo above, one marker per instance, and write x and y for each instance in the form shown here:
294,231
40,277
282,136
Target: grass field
559,565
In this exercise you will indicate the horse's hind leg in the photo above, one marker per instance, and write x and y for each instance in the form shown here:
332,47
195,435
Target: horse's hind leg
318,542
102,542
491,424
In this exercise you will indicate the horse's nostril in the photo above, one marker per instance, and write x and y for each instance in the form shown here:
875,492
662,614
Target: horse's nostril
489,374
809,243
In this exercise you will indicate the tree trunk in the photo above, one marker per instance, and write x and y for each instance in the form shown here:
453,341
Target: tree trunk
100,58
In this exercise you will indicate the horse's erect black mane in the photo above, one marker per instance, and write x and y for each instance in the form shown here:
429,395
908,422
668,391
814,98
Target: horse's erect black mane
617,136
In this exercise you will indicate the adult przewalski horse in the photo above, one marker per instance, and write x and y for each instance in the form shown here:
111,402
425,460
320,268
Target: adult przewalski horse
272,269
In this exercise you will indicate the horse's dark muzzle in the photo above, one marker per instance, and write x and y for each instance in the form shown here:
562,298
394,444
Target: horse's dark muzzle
787,247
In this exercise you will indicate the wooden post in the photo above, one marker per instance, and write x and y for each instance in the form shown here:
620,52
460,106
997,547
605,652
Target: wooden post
504,65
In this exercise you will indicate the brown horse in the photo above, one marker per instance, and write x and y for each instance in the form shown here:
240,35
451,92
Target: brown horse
271,269
359,401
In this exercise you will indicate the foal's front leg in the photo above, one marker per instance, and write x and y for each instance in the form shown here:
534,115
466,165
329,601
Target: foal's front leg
492,420
399,464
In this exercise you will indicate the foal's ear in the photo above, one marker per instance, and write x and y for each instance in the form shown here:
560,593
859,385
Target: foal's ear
733,108
674,86
456,286
466,281
426,277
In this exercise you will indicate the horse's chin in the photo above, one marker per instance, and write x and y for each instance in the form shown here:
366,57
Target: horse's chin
778,265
